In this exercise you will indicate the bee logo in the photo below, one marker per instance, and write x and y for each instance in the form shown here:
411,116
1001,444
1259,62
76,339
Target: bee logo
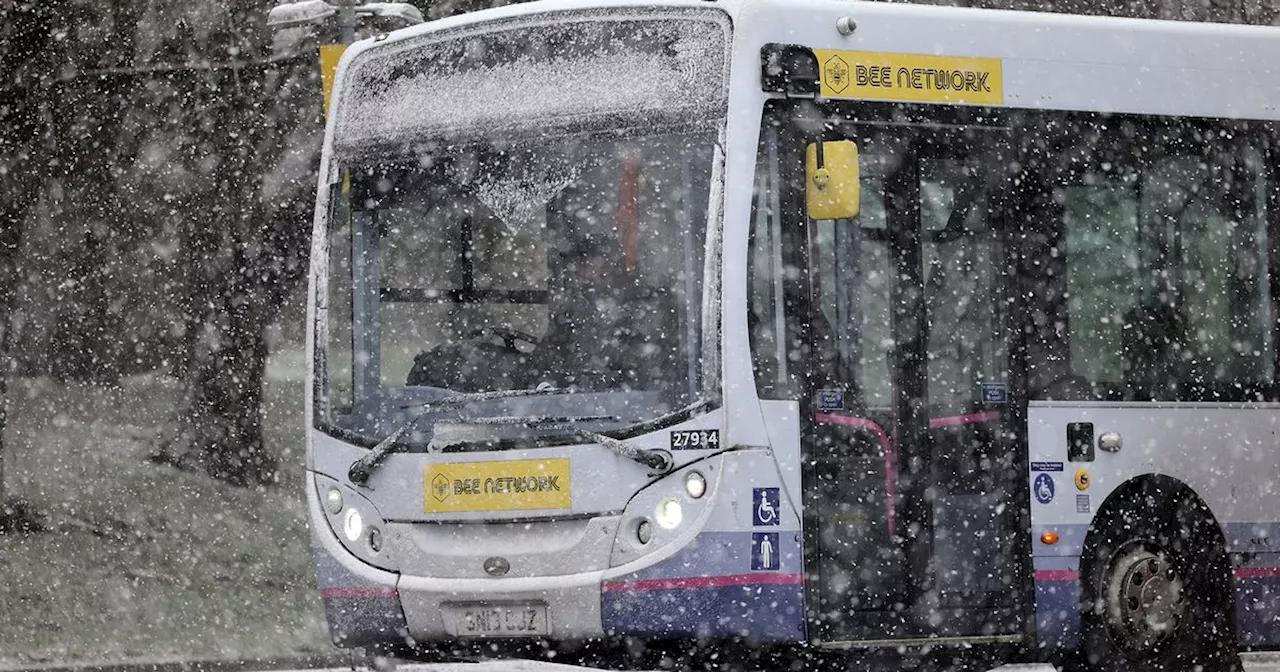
440,487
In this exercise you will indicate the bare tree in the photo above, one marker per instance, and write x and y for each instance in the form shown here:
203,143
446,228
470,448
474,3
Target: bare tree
246,237
25,39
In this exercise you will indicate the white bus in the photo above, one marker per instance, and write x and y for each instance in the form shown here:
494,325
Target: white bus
830,325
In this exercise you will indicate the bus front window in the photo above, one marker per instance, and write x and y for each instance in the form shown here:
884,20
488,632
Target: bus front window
575,263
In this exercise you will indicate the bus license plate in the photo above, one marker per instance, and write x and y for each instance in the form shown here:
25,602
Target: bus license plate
497,620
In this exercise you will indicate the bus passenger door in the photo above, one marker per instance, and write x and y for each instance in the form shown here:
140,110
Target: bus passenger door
911,512
970,454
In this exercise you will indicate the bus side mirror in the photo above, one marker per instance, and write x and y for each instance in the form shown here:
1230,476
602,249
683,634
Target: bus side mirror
832,180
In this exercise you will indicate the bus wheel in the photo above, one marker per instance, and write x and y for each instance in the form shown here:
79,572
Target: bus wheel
1156,589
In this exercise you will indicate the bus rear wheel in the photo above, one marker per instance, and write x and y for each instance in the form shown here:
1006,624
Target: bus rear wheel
1156,588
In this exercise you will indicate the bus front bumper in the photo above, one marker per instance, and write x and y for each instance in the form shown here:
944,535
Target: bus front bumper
566,608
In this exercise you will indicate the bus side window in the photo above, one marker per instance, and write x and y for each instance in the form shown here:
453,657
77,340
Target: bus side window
765,308
1167,267
1103,272
1220,263
966,343
339,355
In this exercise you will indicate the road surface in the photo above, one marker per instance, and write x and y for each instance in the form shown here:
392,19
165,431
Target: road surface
1253,662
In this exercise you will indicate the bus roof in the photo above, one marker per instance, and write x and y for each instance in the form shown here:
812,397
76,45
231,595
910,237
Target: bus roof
1052,61
1044,60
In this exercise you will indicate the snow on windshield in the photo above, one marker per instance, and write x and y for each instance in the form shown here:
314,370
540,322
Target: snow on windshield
520,193
589,68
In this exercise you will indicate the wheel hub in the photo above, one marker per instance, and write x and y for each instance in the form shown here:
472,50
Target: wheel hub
1145,597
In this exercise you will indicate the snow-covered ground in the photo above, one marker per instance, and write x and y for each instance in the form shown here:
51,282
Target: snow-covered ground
1262,662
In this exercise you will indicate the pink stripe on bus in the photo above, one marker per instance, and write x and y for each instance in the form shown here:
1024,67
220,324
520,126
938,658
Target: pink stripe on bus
1240,573
331,593
890,457
703,582
968,419
1258,573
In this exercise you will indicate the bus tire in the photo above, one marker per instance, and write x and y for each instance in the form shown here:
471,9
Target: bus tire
1155,584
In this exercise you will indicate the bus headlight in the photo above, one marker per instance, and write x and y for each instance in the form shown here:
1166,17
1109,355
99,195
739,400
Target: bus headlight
352,524
333,501
669,513
695,484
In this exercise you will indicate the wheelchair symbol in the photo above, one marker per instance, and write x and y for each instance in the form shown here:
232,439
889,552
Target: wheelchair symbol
765,502
1044,488
766,513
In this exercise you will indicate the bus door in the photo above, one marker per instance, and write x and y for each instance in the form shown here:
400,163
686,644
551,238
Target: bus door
912,511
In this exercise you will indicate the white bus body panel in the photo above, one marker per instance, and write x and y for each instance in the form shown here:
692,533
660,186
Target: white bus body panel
1228,454
1050,61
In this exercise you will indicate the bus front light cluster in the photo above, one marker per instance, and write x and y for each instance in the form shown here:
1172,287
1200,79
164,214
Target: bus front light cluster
670,508
355,522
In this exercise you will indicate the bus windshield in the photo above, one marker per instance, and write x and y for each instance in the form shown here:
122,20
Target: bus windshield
575,262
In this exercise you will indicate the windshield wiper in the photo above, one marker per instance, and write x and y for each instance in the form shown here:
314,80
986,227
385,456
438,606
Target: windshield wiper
657,460
362,469
530,421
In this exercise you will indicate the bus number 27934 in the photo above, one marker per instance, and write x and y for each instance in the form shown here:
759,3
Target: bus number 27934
695,439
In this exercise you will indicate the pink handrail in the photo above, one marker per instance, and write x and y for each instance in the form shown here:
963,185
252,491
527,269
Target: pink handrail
967,419
891,452
887,447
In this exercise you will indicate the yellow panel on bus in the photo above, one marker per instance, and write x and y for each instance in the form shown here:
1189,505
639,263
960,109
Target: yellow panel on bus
329,55
873,75
507,485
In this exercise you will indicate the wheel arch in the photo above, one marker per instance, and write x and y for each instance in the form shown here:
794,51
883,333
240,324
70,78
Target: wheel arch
1167,489
1129,491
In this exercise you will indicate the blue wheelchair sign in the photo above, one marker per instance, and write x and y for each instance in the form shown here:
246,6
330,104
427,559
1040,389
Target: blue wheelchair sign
1043,488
